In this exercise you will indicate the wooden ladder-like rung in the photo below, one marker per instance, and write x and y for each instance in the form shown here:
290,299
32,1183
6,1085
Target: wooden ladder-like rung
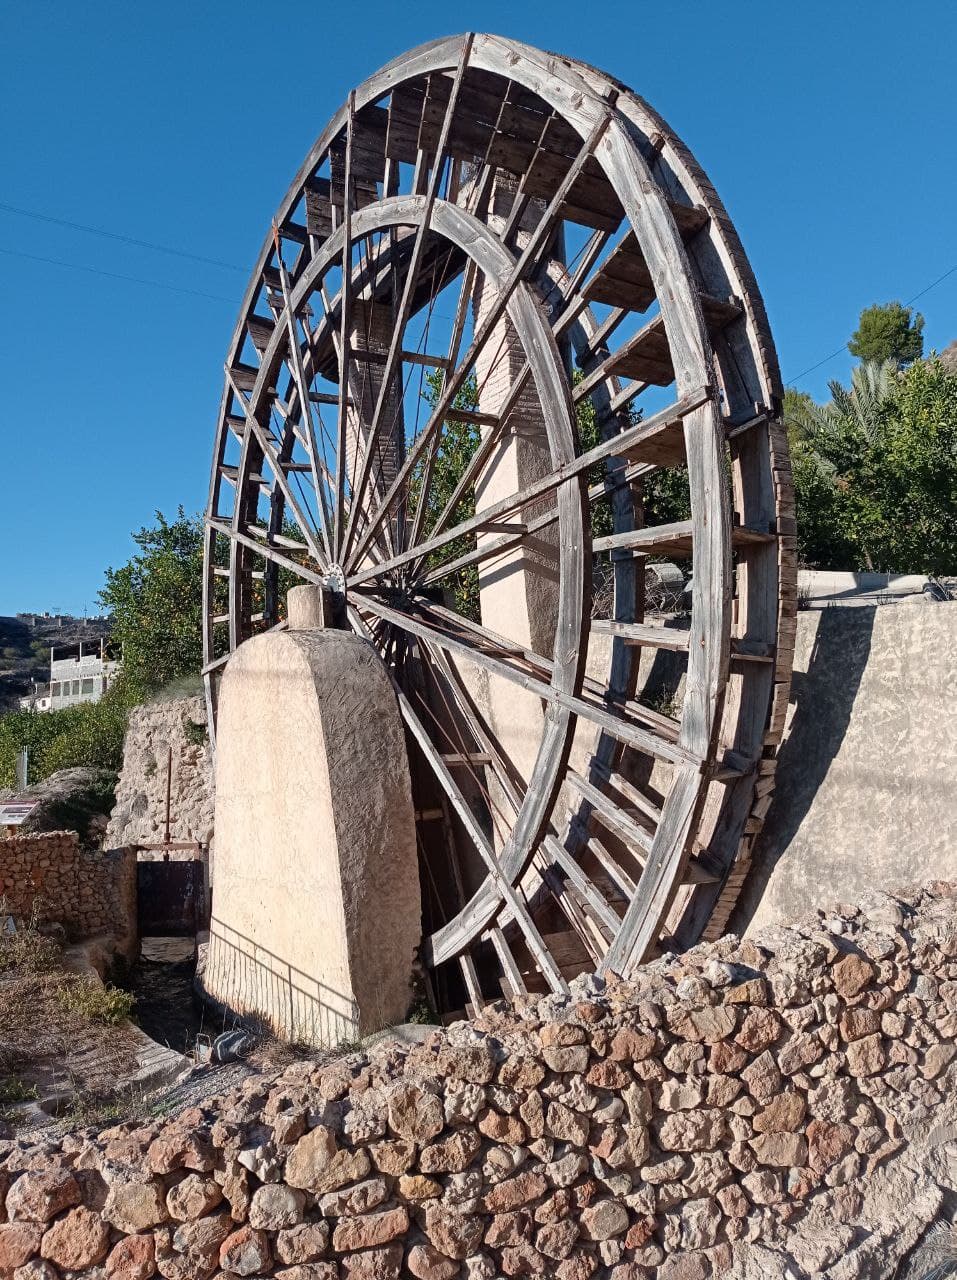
243,376
260,330
645,357
623,279
475,419
673,539
677,639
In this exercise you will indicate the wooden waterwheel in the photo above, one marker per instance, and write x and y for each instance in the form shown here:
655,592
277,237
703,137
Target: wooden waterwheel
502,354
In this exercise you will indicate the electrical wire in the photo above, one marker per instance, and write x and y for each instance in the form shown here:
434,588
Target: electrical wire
116,235
843,347
116,275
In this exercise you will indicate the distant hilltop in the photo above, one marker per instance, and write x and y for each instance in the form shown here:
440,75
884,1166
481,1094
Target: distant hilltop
25,643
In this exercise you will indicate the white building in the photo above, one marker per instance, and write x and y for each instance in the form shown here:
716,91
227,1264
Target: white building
83,677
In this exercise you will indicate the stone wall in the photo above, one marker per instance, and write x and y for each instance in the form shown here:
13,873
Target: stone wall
52,877
140,813
778,1107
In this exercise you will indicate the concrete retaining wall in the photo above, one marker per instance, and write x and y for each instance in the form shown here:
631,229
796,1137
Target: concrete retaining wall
781,1107
865,794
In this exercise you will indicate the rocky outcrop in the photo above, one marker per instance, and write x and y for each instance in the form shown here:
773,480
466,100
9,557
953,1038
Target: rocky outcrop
77,799
140,813
778,1107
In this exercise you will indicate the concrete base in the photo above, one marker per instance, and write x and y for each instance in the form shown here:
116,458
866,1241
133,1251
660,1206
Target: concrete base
316,909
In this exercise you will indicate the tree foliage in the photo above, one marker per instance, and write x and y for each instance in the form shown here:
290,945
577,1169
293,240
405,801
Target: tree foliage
458,441
90,733
887,332
875,471
155,600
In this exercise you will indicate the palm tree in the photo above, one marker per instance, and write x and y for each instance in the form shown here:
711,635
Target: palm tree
858,410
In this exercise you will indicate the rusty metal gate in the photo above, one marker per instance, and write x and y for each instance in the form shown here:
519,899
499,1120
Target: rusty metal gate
171,898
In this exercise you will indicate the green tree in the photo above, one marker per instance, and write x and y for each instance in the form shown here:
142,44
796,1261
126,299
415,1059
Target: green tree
887,332
875,471
155,600
910,475
457,444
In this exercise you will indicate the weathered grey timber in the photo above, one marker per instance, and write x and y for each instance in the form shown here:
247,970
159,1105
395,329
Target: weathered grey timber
613,271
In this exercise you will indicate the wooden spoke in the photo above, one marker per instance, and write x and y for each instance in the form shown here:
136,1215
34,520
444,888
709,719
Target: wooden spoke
518,226
621,444
345,318
395,347
510,896
454,385
551,849
619,727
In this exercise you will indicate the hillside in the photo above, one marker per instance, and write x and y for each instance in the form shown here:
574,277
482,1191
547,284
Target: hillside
25,648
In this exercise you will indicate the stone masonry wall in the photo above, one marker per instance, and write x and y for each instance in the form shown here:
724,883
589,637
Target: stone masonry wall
88,893
140,811
779,1107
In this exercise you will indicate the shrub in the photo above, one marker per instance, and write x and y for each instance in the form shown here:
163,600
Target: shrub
89,998
27,949
90,733
13,1089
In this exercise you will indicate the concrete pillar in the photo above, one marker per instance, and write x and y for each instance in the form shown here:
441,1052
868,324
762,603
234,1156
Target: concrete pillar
316,914
308,607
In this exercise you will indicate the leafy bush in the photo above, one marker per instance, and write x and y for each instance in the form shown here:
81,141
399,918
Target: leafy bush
89,998
875,471
90,733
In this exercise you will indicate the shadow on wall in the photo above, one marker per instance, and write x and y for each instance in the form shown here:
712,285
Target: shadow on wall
822,699
254,983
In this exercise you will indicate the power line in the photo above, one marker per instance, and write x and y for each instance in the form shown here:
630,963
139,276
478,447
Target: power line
116,235
843,347
931,286
115,275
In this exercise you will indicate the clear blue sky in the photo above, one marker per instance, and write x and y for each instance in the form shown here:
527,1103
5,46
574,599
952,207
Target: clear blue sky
829,129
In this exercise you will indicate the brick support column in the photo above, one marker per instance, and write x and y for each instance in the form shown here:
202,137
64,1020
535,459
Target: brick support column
518,590
371,331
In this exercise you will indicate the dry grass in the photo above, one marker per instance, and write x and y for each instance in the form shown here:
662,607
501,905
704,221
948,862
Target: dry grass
935,1258
56,1037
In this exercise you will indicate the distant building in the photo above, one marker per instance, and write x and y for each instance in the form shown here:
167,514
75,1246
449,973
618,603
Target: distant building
74,678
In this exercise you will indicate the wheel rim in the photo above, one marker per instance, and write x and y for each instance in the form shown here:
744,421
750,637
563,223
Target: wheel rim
604,168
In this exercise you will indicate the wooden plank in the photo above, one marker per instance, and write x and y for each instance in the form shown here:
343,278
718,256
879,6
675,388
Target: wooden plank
510,969
643,633
675,539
